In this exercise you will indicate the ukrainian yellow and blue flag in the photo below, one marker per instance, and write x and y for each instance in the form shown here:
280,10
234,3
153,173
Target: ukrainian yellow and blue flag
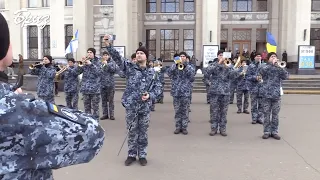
73,44
271,43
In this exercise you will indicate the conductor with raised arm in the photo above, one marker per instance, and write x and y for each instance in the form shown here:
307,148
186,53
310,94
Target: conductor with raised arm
143,86
37,136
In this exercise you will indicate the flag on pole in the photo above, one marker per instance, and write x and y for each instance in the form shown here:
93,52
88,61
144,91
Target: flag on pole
73,44
271,43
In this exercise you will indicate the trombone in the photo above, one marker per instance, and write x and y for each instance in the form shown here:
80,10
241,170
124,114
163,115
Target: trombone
33,66
62,69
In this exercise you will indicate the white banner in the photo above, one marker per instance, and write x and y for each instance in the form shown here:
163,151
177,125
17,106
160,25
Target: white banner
209,53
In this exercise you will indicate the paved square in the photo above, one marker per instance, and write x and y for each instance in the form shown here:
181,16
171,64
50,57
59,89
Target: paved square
243,155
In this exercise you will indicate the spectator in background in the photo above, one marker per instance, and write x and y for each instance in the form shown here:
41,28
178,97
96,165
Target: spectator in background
21,65
10,71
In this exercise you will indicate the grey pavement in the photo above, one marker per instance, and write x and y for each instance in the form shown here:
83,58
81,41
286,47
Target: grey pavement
243,155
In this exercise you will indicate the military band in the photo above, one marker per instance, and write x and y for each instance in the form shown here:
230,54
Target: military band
261,82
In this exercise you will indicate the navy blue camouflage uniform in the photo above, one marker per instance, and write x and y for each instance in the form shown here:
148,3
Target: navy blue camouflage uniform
108,88
206,80
221,77
90,86
137,111
162,80
45,87
71,83
271,98
34,141
233,89
242,91
254,85
181,91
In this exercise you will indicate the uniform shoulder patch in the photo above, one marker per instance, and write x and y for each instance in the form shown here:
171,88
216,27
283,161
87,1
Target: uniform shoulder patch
65,113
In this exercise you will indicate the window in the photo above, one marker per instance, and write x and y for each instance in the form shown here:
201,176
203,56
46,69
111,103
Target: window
102,46
46,40
262,5
151,41
315,41
188,6
32,42
224,5
68,35
106,2
315,5
242,5
45,3
188,41
169,43
69,2
170,6
151,6
32,3
2,4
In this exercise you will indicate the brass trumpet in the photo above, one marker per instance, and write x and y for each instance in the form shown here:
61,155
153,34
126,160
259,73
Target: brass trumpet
259,78
180,66
82,62
33,66
227,62
281,64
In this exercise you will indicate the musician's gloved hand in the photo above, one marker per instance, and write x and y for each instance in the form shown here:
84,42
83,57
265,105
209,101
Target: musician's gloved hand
145,96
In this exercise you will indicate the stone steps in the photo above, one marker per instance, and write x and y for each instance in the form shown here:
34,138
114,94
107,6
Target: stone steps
295,85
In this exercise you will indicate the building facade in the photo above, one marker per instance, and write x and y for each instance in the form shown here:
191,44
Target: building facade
40,27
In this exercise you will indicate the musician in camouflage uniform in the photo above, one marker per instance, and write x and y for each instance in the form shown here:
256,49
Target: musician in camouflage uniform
233,84
35,140
206,80
71,83
221,77
91,82
162,71
242,89
181,91
254,84
142,87
107,86
46,74
272,76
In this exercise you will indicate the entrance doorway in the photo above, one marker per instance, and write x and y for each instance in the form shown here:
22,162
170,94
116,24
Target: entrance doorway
241,46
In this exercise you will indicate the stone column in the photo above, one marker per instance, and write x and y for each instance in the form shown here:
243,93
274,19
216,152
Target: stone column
40,56
83,22
198,30
274,26
122,24
57,32
296,17
253,39
211,22
15,29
